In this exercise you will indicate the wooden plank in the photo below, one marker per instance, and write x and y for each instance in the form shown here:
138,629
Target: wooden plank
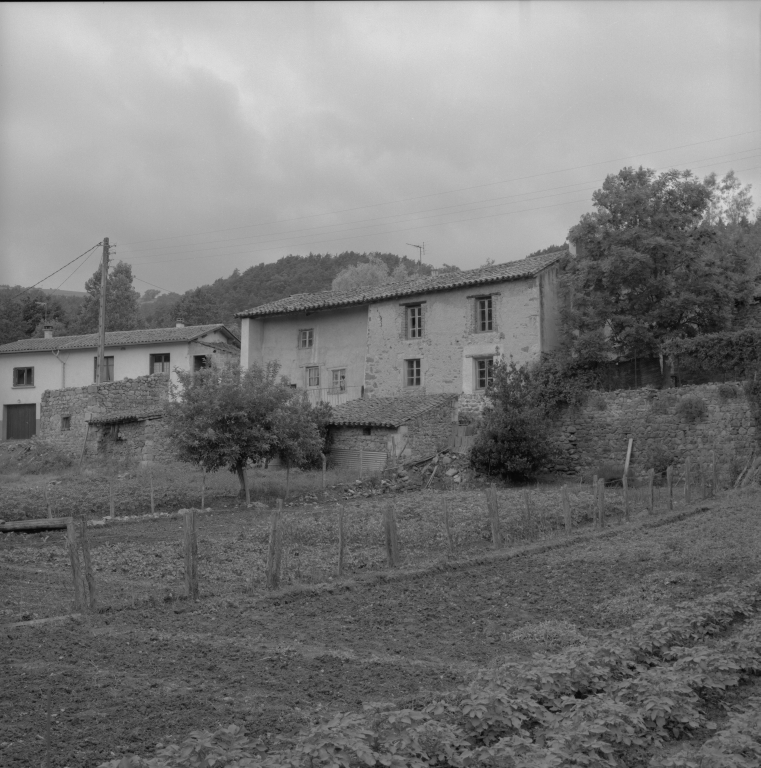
40,622
31,526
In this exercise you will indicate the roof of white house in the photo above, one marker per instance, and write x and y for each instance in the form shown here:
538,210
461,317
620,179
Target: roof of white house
386,411
118,338
496,273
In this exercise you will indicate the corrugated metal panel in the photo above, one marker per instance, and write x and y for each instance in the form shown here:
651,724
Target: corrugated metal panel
347,458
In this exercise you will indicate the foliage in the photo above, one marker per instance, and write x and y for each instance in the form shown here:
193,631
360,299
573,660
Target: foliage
512,440
691,408
121,302
607,702
727,392
261,284
735,354
24,312
651,266
227,417
367,274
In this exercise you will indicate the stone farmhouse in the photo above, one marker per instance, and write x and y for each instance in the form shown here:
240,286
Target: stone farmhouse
422,338
30,367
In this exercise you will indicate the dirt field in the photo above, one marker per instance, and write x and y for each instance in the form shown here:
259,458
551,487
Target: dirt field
153,667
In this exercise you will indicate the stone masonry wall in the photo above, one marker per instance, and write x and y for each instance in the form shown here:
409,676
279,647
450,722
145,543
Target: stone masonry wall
416,439
598,433
137,440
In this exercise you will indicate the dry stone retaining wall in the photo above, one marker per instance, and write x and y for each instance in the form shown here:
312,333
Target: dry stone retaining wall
136,440
598,434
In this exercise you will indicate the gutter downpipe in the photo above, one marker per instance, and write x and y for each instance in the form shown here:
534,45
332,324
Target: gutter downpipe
57,352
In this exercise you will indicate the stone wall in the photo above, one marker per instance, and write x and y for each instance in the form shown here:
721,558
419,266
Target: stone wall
133,440
663,432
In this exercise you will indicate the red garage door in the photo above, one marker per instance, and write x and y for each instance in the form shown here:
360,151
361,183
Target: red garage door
22,421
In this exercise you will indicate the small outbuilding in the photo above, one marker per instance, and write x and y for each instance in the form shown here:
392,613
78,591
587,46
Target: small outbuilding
370,433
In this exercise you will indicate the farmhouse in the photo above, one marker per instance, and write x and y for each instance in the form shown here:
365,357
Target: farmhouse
432,335
29,367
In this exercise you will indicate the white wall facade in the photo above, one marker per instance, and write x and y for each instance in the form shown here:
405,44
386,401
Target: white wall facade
75,368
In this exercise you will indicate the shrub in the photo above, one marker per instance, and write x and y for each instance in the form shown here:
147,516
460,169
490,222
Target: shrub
733,353
727,391
660,459
692,408
511,443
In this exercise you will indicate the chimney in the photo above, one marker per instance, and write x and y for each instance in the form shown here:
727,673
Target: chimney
179,323
47,331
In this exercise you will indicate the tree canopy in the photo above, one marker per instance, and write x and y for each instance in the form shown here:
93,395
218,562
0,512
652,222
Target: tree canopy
226,417
653,262
121,302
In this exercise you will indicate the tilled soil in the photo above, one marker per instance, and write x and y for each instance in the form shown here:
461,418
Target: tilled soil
125,680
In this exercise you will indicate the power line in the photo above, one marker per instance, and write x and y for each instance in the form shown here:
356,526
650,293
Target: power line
446,192
21,293
342,234
221,244
140,280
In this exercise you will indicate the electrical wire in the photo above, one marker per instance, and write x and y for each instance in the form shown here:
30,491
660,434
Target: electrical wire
234,242
459,189
21,293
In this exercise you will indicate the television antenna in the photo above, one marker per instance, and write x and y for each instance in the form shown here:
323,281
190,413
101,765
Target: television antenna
421,251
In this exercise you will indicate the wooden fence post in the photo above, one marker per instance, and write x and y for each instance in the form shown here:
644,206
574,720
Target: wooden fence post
274,553
687,489
203,487
567,510
448,528
703,488
89,575
493,508
341,540
150,476
650,493
392,539
670,486
47,500
529,519
191,555
112,505
601,502
324,468
76,570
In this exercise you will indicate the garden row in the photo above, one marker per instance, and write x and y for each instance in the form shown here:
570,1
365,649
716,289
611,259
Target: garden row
615,701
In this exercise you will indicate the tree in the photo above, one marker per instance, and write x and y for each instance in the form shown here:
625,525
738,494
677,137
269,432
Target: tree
368,274
299,442
121,302
650,265
226,417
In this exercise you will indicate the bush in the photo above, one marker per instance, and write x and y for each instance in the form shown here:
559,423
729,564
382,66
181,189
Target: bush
692,408
727,391
735,354
512,444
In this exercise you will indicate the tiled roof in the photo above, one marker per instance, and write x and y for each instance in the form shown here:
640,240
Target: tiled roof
123,417
230,349
386,411
513,270
116,338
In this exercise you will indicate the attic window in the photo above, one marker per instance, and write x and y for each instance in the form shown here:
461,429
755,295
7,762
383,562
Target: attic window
367,430
484,315
306,338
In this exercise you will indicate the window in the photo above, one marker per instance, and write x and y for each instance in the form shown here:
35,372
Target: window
160,363
484,373
415,321
413,373
339,380
200,362
306,338
313,377
23,377
109,368
484,320
65,423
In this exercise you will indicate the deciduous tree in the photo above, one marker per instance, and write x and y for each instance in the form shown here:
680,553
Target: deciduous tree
121,302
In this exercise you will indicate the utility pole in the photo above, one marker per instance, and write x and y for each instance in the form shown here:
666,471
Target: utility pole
421,251
101,371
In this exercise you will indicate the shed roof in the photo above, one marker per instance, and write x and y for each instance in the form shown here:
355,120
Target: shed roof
123,417
118,338
513,270
387,411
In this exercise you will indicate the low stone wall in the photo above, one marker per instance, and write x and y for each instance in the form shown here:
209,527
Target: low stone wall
664,430
64,414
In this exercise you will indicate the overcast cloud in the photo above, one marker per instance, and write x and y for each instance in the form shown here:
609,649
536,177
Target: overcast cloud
207,137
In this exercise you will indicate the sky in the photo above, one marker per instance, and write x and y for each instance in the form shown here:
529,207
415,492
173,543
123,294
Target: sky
203,138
